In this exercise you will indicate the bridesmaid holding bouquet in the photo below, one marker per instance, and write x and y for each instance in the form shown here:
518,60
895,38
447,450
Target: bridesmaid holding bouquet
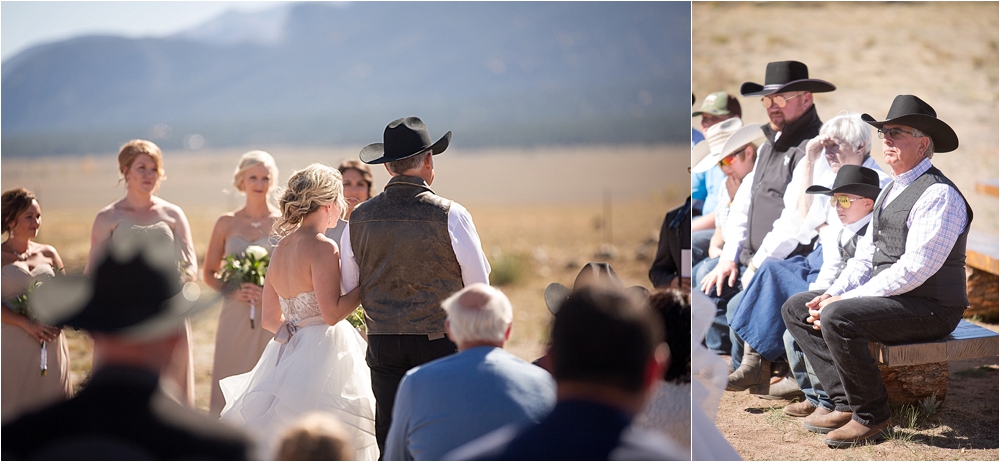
240,238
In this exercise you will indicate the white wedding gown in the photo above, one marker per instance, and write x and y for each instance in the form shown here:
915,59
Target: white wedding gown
319,368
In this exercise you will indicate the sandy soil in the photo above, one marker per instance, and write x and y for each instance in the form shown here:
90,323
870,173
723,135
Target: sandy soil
945,53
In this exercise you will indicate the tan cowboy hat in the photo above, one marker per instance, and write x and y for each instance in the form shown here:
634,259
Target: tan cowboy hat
726,141
592,273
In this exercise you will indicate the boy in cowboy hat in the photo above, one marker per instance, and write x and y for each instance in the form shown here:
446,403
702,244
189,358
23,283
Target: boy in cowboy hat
787,95
134,309
853,196
407,249
909,269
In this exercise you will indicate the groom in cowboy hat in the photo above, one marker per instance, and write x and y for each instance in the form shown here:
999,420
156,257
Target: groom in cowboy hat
134,309
905,284
407,249
787,95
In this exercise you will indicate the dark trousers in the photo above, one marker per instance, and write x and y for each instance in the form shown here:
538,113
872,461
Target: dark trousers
839,352
389,357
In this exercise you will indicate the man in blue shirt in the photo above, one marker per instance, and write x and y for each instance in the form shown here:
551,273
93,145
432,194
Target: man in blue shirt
453,400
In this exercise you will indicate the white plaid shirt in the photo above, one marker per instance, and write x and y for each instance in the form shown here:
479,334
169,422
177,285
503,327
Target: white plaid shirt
936,220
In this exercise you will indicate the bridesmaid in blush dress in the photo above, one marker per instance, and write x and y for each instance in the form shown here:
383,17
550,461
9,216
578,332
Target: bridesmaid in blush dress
25,261
238,344
141,211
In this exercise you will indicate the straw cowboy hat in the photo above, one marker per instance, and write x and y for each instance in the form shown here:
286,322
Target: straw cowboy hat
591,274
913,112
403,138
785,76
135,292
721,140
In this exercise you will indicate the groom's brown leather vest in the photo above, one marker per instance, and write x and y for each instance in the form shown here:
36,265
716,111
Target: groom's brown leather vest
407,264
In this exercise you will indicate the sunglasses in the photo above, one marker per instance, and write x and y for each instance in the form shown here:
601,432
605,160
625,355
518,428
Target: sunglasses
727,161
843,201
894,133
781,101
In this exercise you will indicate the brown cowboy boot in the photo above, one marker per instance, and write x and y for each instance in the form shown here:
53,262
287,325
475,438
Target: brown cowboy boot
754,373
856,433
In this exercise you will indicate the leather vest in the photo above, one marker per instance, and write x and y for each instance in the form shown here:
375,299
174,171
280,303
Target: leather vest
406,261
776,161
848,249
889,231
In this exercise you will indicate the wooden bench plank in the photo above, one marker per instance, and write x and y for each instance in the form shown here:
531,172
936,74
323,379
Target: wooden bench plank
990,186
982,251
967,341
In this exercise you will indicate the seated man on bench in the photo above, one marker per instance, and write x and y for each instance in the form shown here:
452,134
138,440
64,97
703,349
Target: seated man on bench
906,282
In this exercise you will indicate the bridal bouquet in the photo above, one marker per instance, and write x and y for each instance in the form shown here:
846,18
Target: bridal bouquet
20,306
357,318
249,266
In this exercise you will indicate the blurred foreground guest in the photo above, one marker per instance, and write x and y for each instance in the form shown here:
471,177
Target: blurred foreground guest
33,376
135,309
240,339
456,399
357,189
601,385
407,249
669,408
592,274
141,164
315,436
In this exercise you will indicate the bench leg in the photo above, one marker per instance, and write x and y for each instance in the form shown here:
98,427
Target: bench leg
910,384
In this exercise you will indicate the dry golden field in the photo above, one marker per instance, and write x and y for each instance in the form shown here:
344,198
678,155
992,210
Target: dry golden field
943,52
547,208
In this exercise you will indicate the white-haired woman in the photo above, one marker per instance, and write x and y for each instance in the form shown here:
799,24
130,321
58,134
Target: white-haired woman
141,211
317,359
842,140
240,339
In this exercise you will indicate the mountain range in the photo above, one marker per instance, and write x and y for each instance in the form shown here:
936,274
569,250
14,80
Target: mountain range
316,73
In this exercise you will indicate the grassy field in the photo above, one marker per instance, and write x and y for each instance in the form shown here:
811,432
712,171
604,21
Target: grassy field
541,215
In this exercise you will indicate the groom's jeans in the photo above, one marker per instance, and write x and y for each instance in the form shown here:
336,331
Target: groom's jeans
389,357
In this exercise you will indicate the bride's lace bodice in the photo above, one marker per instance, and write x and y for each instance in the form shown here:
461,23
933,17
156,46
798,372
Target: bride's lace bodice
304,305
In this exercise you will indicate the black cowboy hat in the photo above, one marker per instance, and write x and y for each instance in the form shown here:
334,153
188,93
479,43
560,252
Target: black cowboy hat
135,292
851,179
913,112
592,273
784,76
403,138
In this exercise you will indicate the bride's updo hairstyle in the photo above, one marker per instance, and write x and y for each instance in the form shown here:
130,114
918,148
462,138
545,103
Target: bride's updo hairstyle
15,201
308,189
251,160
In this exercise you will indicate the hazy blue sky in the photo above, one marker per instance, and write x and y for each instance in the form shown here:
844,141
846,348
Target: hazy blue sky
27,23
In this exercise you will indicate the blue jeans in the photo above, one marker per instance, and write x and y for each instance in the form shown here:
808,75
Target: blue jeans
803,373
699,245
718,338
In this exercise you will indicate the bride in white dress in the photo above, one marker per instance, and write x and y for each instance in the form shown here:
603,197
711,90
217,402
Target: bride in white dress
317,360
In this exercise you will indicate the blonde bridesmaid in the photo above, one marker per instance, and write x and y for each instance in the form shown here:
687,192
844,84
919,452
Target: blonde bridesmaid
238,343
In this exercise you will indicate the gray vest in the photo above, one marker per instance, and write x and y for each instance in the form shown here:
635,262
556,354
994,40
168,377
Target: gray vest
848,248
775,164
407,264
889,231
